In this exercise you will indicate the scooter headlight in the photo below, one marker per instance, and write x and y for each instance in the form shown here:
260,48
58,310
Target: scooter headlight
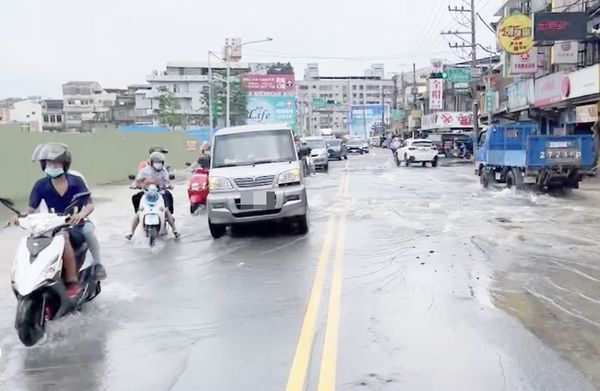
195,186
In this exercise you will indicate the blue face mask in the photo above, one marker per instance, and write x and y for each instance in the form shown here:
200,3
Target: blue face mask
54,172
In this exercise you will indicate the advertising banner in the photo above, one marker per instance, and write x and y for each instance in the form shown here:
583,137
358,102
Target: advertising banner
272,110
364,117
269,83
551,89
559,26
436,94
586,114
583,82
520,95
447,120
524,63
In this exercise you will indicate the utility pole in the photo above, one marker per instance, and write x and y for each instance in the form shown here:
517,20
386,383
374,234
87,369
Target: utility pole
414,91
472,44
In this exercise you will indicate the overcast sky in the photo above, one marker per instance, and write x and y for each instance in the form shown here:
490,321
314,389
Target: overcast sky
46,43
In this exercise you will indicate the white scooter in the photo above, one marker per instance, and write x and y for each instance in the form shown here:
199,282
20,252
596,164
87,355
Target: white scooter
152,213
37,273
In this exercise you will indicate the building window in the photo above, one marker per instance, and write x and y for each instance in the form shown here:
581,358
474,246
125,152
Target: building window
53,118
59,118
314,86
175,89
354,87
45,118
304,87
361,87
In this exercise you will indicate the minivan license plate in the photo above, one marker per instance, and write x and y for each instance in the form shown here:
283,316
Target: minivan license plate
257,200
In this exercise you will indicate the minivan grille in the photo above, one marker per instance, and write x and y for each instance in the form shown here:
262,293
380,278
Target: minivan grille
266,180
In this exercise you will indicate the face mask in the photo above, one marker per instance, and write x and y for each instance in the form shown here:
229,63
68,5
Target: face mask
157,166
54,172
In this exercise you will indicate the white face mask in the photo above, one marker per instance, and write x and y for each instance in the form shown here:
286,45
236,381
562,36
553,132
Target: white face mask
157,166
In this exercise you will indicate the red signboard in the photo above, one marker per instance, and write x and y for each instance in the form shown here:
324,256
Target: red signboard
269,83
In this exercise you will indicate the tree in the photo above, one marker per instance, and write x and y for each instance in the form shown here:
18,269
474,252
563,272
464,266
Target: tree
281,69
167,111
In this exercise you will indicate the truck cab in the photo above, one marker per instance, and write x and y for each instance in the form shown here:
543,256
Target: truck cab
516,154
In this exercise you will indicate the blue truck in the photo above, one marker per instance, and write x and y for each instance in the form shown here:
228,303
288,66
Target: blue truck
518,155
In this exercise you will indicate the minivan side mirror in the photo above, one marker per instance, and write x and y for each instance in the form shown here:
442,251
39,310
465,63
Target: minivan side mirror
188,164
132,177
171,177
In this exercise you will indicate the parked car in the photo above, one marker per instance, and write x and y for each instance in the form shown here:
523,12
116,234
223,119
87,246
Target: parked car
375,141
418,151
255,175
318,152
337,149
357,145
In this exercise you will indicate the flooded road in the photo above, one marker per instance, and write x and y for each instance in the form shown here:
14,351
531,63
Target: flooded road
410,279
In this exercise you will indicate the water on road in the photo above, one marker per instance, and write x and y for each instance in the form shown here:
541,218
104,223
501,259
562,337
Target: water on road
410,279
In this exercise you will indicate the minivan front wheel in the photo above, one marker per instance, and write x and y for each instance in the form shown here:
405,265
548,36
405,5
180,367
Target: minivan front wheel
302,222
217,230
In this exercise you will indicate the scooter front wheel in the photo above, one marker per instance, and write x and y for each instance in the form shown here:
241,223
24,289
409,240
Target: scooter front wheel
152,235
30,322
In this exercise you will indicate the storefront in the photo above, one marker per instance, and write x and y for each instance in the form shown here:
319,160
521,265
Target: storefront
448,121
520,97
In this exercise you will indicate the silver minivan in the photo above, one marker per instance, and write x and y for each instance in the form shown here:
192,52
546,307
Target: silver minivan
255,175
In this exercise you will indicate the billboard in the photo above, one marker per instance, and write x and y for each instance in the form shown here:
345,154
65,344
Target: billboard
272,110
284,84
559,26
364,117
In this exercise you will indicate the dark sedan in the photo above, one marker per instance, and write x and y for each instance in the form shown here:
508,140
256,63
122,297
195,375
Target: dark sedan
337,149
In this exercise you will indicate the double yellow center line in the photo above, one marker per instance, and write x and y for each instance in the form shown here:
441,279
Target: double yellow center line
302,358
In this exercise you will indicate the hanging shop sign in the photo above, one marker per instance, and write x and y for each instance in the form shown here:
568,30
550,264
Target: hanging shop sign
515,34
524,63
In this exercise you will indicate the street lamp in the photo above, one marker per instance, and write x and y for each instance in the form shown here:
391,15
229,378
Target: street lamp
227,63
210,87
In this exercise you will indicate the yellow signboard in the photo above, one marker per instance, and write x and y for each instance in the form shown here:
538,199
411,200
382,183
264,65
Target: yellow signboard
515,34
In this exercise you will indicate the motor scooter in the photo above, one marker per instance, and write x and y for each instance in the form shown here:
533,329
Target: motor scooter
37,272
198,184
152,212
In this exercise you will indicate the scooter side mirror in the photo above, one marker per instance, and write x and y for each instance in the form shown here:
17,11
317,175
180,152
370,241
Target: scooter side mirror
171,177
132,177
188,164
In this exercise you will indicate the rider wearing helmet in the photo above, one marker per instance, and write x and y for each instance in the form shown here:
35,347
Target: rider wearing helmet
156,174
145,163
88,227
57,190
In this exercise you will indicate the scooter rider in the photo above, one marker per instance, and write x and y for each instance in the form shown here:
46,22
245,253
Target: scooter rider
158,175
87,229
57,190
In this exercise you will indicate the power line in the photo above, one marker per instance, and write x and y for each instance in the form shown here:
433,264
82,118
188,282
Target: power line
486,24
431,28
262,53
426,26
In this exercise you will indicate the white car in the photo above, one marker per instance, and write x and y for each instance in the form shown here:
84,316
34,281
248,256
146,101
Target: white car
418,151
318,154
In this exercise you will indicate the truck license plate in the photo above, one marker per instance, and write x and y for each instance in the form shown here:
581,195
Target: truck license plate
563,153
257,200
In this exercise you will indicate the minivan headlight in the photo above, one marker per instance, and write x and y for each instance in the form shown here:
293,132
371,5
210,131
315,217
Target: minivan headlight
287,177
219,183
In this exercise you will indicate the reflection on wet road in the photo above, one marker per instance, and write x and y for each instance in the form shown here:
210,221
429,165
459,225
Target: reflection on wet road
410,279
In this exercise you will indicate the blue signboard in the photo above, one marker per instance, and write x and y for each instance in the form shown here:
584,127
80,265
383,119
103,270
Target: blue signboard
272,110
364,117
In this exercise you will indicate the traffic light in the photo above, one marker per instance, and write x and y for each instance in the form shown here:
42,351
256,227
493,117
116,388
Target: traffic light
218,104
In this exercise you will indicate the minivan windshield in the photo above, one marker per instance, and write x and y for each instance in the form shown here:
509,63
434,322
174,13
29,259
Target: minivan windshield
248,148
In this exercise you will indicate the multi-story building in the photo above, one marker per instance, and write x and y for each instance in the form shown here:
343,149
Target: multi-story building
86,102
187,82
53,115
28,113
123,112
325,101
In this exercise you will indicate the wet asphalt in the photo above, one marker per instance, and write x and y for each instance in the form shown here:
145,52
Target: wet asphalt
410,279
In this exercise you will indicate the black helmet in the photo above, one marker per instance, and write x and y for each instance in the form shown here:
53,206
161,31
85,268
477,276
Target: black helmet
52,151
